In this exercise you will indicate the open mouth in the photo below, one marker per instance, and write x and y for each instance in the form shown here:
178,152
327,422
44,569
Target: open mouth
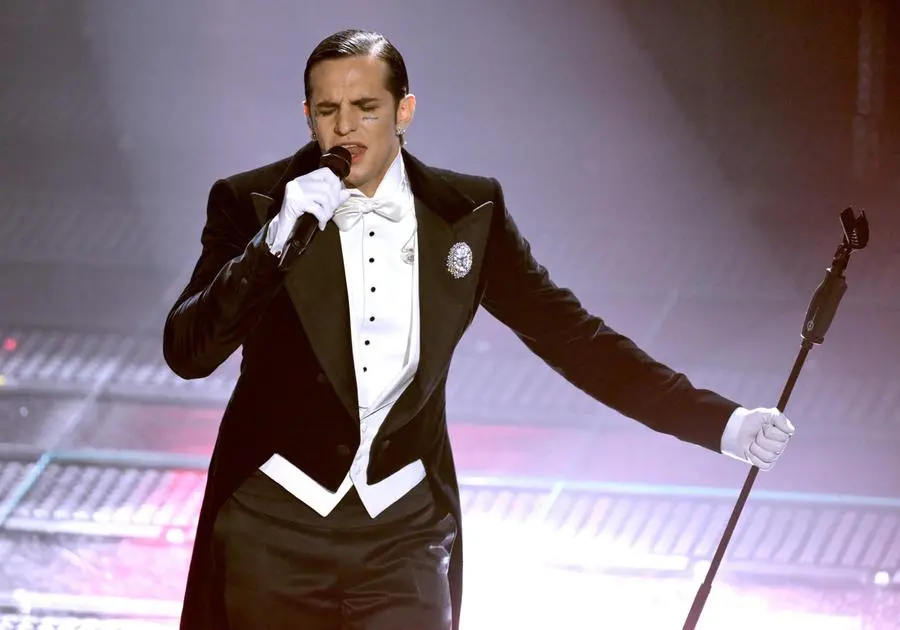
356,151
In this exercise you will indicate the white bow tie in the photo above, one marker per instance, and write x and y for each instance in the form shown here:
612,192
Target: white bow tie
352,210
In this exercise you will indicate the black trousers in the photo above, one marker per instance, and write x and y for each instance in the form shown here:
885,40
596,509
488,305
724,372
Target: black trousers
287,567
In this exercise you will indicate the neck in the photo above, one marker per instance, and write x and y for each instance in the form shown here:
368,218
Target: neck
371,186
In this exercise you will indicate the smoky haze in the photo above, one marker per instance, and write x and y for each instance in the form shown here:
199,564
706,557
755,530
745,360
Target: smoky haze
679,164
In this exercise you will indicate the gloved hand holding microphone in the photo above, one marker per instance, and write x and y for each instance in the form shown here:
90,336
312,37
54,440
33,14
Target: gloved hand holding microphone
318,193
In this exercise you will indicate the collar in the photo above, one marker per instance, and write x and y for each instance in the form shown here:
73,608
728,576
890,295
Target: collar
435,188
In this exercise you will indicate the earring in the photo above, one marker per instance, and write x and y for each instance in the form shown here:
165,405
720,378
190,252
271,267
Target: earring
400,131
312,134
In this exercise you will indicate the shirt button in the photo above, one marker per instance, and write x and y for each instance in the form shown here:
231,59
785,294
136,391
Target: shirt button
372,289
372,319
371,233
367,342
371,260
365,369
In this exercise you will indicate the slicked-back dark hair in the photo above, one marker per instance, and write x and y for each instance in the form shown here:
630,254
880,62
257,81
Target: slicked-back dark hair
353,42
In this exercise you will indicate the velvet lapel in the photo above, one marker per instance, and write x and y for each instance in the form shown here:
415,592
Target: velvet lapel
445,217
317,287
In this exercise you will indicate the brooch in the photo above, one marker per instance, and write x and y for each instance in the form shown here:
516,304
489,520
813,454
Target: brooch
459,260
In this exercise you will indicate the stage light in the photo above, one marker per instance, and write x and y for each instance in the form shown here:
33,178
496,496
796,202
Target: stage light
882,578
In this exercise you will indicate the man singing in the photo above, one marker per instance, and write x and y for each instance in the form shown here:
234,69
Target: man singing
332,499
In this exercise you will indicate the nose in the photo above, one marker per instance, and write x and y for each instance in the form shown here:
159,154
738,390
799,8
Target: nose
343,122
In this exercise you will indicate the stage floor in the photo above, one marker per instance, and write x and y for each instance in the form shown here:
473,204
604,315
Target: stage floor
621,519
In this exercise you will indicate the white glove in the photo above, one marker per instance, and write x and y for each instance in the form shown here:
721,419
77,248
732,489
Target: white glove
757,436
318,193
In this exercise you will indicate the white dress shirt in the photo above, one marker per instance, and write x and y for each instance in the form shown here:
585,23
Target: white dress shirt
381,271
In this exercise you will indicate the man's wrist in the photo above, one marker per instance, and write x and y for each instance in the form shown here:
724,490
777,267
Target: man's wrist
731,444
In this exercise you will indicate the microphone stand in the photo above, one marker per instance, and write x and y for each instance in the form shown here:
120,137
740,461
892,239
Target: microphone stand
819,315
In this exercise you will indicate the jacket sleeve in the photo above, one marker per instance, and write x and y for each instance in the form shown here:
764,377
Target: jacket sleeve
232,282
592,356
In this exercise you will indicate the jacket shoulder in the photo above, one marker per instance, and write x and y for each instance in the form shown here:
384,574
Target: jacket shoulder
477,187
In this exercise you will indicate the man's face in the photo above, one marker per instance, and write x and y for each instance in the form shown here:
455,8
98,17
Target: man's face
350,105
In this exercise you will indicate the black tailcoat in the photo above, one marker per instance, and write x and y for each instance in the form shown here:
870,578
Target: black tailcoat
296,393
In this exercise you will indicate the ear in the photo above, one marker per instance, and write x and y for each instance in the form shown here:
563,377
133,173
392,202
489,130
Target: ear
309,120
406,109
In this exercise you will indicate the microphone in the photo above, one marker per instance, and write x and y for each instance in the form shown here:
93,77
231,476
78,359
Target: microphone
337,160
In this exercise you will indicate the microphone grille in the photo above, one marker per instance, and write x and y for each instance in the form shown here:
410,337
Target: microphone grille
338,159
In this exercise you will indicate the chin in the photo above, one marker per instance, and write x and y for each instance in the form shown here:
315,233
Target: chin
354,179
358,176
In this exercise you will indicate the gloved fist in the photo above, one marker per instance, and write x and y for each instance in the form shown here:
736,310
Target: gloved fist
318,193
757,436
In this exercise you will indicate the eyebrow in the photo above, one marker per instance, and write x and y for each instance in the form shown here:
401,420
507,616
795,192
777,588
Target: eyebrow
359,102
